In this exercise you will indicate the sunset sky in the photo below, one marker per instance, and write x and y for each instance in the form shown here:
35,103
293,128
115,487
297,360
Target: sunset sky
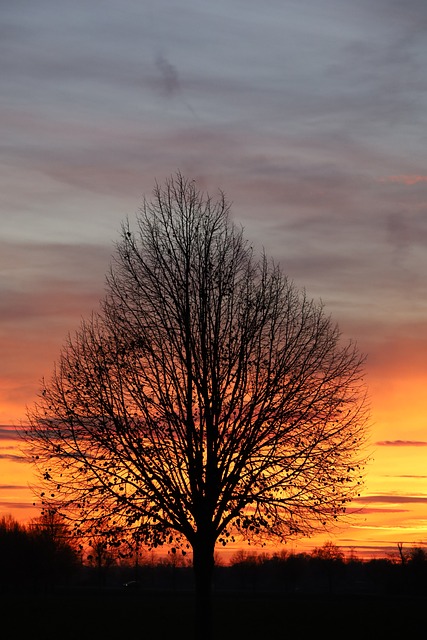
311,116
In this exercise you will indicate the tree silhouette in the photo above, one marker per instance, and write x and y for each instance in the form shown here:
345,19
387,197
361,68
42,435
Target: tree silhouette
37,555
208,397
56,554
329,551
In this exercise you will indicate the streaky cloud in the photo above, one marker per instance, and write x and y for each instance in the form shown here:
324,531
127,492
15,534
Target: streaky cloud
12,506
169,76
12,458
408,476
401,443
13,487
408,180
375,510
9,432
392,499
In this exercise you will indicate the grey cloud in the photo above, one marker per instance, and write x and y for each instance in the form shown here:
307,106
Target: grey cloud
404,15
169,80
398,232
63,261
55,287
407,229
118,53
228,92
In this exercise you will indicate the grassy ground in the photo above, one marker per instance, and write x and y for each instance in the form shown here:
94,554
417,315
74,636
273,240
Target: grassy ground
91,615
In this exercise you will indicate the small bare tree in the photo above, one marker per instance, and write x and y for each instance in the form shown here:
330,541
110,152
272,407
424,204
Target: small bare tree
207,397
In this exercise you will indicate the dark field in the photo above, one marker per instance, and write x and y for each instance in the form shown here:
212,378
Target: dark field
108,615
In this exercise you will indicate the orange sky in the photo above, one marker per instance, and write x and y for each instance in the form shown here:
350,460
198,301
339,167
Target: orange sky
393,504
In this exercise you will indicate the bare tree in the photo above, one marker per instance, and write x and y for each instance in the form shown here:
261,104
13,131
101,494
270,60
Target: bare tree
207,398
328,551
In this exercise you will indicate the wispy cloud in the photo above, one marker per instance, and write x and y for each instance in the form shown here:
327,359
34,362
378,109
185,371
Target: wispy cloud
13,458
408,180
407,476
401,443
169,79
391,498
9,432
13,506
375,510
13,487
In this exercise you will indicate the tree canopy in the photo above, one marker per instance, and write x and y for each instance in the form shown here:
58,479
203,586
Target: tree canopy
207,397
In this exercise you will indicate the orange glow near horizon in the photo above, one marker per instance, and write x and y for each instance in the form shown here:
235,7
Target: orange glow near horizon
392,507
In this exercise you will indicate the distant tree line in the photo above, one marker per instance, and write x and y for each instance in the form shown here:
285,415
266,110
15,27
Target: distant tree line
36,556
43,556
327,570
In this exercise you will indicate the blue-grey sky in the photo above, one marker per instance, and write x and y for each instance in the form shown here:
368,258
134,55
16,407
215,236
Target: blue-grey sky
311,116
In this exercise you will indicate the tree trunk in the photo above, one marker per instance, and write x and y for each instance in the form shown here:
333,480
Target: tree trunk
203,566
